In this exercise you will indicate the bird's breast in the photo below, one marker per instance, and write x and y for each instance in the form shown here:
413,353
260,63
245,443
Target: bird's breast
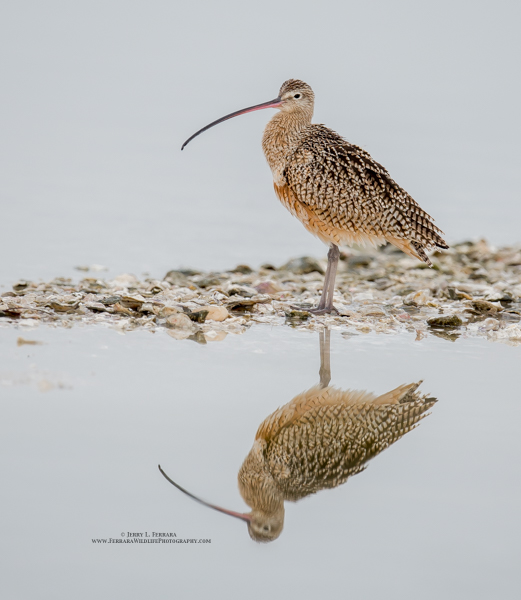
277,160
278,176
281,137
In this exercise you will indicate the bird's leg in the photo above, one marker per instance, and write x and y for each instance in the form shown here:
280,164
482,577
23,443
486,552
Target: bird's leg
325,363
325,304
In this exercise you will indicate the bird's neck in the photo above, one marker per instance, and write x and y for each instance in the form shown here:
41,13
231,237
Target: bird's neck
256,484
282,134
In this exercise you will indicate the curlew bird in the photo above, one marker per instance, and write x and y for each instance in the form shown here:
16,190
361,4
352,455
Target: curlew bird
335,189
317,441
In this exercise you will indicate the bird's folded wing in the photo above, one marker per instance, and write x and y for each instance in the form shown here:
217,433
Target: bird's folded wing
344,186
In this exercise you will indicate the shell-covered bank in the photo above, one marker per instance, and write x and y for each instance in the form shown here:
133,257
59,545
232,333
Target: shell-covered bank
473,289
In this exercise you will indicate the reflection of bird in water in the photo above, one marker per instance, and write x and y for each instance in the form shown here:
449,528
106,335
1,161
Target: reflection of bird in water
335,189
317,441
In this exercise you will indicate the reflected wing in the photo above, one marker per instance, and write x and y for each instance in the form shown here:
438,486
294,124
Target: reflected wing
301,406
322,437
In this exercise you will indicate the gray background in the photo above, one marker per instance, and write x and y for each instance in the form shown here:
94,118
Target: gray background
97,98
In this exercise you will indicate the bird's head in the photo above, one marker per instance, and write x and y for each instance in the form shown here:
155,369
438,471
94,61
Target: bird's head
266,528
296,97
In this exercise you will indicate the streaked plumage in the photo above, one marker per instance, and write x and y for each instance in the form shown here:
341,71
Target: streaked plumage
336,189
317,441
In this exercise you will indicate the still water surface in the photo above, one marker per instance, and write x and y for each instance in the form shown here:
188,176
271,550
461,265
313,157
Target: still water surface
88,415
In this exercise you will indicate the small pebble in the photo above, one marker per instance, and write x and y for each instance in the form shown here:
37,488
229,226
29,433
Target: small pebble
297,315
372,311
303,265
268,287
484,307
420,298
445,321
198,316
179,321
490,324
216,313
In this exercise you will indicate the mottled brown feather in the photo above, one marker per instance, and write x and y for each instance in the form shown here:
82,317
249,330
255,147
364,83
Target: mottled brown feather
336,189
322,437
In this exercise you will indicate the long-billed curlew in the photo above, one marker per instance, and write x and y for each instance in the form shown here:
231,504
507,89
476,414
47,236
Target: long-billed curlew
337,191
317,441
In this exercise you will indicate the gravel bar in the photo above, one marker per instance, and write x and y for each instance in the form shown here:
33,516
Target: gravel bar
473,290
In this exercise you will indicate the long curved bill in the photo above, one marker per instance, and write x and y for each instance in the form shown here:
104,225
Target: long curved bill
243,516
271,104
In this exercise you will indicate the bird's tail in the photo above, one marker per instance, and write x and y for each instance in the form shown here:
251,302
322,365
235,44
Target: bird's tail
414,249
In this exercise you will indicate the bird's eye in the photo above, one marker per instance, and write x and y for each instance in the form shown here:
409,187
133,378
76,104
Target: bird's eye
296,96
266,527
